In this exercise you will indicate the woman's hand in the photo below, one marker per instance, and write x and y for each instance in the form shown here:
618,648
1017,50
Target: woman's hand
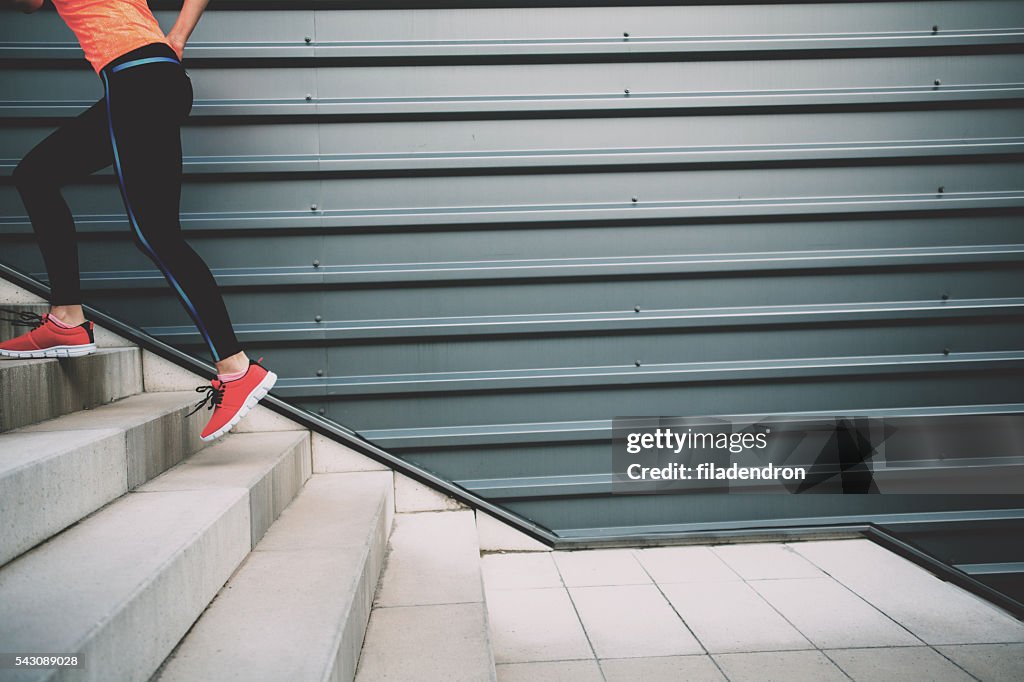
177,43
26,6
191,10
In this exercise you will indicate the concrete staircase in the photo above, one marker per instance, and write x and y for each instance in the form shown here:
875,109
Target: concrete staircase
265,555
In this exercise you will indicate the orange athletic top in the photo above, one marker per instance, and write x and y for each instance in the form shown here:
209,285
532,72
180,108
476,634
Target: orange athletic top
107,29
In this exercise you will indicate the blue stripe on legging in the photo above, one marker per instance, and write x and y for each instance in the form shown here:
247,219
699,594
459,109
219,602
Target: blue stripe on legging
135,224
140,62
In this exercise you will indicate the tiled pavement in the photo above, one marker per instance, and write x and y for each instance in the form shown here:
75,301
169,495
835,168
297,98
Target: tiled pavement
823,610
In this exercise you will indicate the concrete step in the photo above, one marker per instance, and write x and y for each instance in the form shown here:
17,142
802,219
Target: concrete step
56,472
298,606
35,390
432,576
124,585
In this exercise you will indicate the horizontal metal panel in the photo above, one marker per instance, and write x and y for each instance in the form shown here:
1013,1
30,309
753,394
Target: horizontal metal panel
295,104
938,385
646,266
249,34
611,322
641,266
801,510
446,216
658,80
330,90
677,20
732,154
629,342
479,200
648,374
560,30
422,442
294,248
984,477
345,361
429,33
260,306
978,476
557,461
598,516
952,540
356,147
631,45
626,345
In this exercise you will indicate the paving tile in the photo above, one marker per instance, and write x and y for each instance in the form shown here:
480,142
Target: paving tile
661,669
732,617
535,625
780,666
936,611
899,664
600,567
989,662
830,615
684,565
766,561
625,621
550,671
520,571
434,559
404,643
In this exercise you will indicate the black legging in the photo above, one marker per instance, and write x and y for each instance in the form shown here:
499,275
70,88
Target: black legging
137,128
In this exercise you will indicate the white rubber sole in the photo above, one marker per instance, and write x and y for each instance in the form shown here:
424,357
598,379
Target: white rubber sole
54,352
255,395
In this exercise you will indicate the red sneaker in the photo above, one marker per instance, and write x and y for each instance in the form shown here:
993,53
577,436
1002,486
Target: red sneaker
232,400
47,339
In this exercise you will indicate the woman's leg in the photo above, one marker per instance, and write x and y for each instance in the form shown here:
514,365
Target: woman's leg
75,150
146,105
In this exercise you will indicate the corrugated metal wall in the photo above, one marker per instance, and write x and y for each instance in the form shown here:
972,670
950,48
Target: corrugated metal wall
475,234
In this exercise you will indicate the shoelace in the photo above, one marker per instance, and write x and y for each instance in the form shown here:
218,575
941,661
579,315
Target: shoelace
214,395
23,319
